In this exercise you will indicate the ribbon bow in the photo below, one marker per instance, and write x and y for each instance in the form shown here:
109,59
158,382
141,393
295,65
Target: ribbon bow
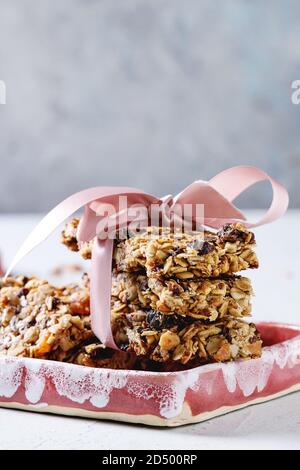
216,195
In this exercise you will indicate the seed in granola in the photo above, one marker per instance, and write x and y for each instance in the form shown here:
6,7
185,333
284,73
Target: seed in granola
184,275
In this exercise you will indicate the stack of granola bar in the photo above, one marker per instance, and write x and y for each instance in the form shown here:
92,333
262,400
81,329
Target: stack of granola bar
177,297
177,301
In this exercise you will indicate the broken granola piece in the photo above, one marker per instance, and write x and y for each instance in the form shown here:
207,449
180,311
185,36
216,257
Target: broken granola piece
95,354
68,238
40,320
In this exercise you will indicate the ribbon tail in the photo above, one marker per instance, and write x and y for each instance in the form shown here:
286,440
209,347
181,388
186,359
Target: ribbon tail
51,222
101,291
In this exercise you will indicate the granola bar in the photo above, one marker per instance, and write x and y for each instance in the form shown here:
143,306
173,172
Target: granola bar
188,255
41,321
168,339
206,299
162,252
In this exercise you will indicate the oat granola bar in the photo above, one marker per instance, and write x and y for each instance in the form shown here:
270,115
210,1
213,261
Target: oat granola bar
206,299
41,321
169,339
188,255
162,252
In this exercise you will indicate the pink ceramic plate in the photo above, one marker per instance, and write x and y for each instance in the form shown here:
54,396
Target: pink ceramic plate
160,399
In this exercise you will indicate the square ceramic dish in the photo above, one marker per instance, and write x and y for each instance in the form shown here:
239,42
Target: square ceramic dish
157,399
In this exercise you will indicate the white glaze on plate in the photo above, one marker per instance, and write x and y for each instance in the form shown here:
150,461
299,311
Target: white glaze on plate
80,384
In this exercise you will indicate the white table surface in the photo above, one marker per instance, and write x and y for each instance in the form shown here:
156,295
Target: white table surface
271,425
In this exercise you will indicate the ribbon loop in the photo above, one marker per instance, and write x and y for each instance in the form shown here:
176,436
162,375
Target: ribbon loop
234,181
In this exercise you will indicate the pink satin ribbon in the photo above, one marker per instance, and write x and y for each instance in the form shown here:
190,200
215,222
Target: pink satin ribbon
216,195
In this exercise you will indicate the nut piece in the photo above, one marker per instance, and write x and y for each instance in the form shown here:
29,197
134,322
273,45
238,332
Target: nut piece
169,340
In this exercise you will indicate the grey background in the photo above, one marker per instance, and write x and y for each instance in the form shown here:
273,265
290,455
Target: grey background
148,93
